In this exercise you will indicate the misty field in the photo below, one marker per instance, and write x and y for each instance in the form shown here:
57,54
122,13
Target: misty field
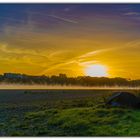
65,113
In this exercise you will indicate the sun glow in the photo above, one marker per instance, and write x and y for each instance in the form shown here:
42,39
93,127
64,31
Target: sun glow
96,70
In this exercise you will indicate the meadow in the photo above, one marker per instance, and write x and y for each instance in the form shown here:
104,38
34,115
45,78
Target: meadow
68,112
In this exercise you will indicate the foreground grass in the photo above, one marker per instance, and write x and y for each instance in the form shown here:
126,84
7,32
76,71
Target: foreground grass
88,121
74,117
83,122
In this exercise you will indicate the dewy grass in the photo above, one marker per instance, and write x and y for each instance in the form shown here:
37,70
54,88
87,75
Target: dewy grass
68,117
79,122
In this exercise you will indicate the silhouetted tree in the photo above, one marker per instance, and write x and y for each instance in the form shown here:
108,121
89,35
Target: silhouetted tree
62,79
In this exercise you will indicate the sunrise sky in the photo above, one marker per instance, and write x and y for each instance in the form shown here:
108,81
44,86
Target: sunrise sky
50,39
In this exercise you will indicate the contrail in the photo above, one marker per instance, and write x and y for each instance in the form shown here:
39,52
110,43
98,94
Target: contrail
130,45
63,19
96,52
54,16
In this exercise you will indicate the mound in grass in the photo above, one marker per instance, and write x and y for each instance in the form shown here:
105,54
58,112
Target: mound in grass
122,98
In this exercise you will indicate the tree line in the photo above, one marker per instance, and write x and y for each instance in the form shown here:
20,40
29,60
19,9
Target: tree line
62,79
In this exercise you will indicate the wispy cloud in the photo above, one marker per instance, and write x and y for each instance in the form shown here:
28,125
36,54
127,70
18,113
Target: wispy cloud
132,14
64,19
92,53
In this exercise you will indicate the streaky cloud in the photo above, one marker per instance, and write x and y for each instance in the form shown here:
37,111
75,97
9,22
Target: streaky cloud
64,19
131,14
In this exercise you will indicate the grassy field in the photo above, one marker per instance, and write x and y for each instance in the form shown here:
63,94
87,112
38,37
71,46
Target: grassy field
64,113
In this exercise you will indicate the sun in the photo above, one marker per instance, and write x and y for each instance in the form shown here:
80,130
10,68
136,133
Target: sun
96,70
